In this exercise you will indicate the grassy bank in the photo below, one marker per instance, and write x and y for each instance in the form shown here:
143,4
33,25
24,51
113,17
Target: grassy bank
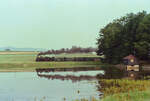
123,90
25,61
132,96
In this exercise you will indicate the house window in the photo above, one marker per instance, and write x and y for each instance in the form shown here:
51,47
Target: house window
132,60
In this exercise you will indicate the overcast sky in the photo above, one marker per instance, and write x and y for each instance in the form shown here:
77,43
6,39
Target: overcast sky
60,23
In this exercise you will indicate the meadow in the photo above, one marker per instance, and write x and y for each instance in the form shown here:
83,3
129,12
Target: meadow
25,61
123,90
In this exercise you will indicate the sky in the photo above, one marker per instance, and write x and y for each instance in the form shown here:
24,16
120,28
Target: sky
56,24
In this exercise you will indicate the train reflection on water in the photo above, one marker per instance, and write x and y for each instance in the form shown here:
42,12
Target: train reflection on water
52,86
73,76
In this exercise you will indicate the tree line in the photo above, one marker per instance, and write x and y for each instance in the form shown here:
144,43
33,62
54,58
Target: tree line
129,34
74,49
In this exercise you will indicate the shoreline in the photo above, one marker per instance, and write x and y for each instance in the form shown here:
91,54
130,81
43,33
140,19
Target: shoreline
3,71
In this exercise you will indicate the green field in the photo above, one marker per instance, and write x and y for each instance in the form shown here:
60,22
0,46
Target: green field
25,61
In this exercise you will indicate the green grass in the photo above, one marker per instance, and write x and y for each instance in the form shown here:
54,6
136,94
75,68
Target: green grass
25,61
124,90
17,58
132,96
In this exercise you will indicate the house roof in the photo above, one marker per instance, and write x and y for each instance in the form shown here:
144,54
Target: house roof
130,57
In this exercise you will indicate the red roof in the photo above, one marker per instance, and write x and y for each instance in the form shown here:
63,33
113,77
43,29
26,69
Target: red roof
130,57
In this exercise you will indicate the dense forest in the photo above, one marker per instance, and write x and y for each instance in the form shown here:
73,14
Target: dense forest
129,34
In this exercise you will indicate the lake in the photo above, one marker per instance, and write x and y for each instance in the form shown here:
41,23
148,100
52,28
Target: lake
57,86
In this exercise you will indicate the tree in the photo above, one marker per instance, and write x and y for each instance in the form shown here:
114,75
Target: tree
127,35
7,49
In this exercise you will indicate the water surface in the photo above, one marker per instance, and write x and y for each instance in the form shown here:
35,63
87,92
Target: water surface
28,86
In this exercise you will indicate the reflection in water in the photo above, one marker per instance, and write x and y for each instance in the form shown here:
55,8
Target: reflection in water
27,86
69,77
77,69
73,76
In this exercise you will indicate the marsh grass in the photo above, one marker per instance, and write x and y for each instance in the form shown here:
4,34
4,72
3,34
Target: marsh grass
130,96
123,90
115,86
91,99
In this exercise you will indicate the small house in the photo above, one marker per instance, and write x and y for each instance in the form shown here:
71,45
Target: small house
131,63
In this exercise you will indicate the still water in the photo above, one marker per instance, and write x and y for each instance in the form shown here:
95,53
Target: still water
30,86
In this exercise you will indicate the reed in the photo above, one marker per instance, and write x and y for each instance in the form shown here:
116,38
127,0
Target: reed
123,90
115,86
